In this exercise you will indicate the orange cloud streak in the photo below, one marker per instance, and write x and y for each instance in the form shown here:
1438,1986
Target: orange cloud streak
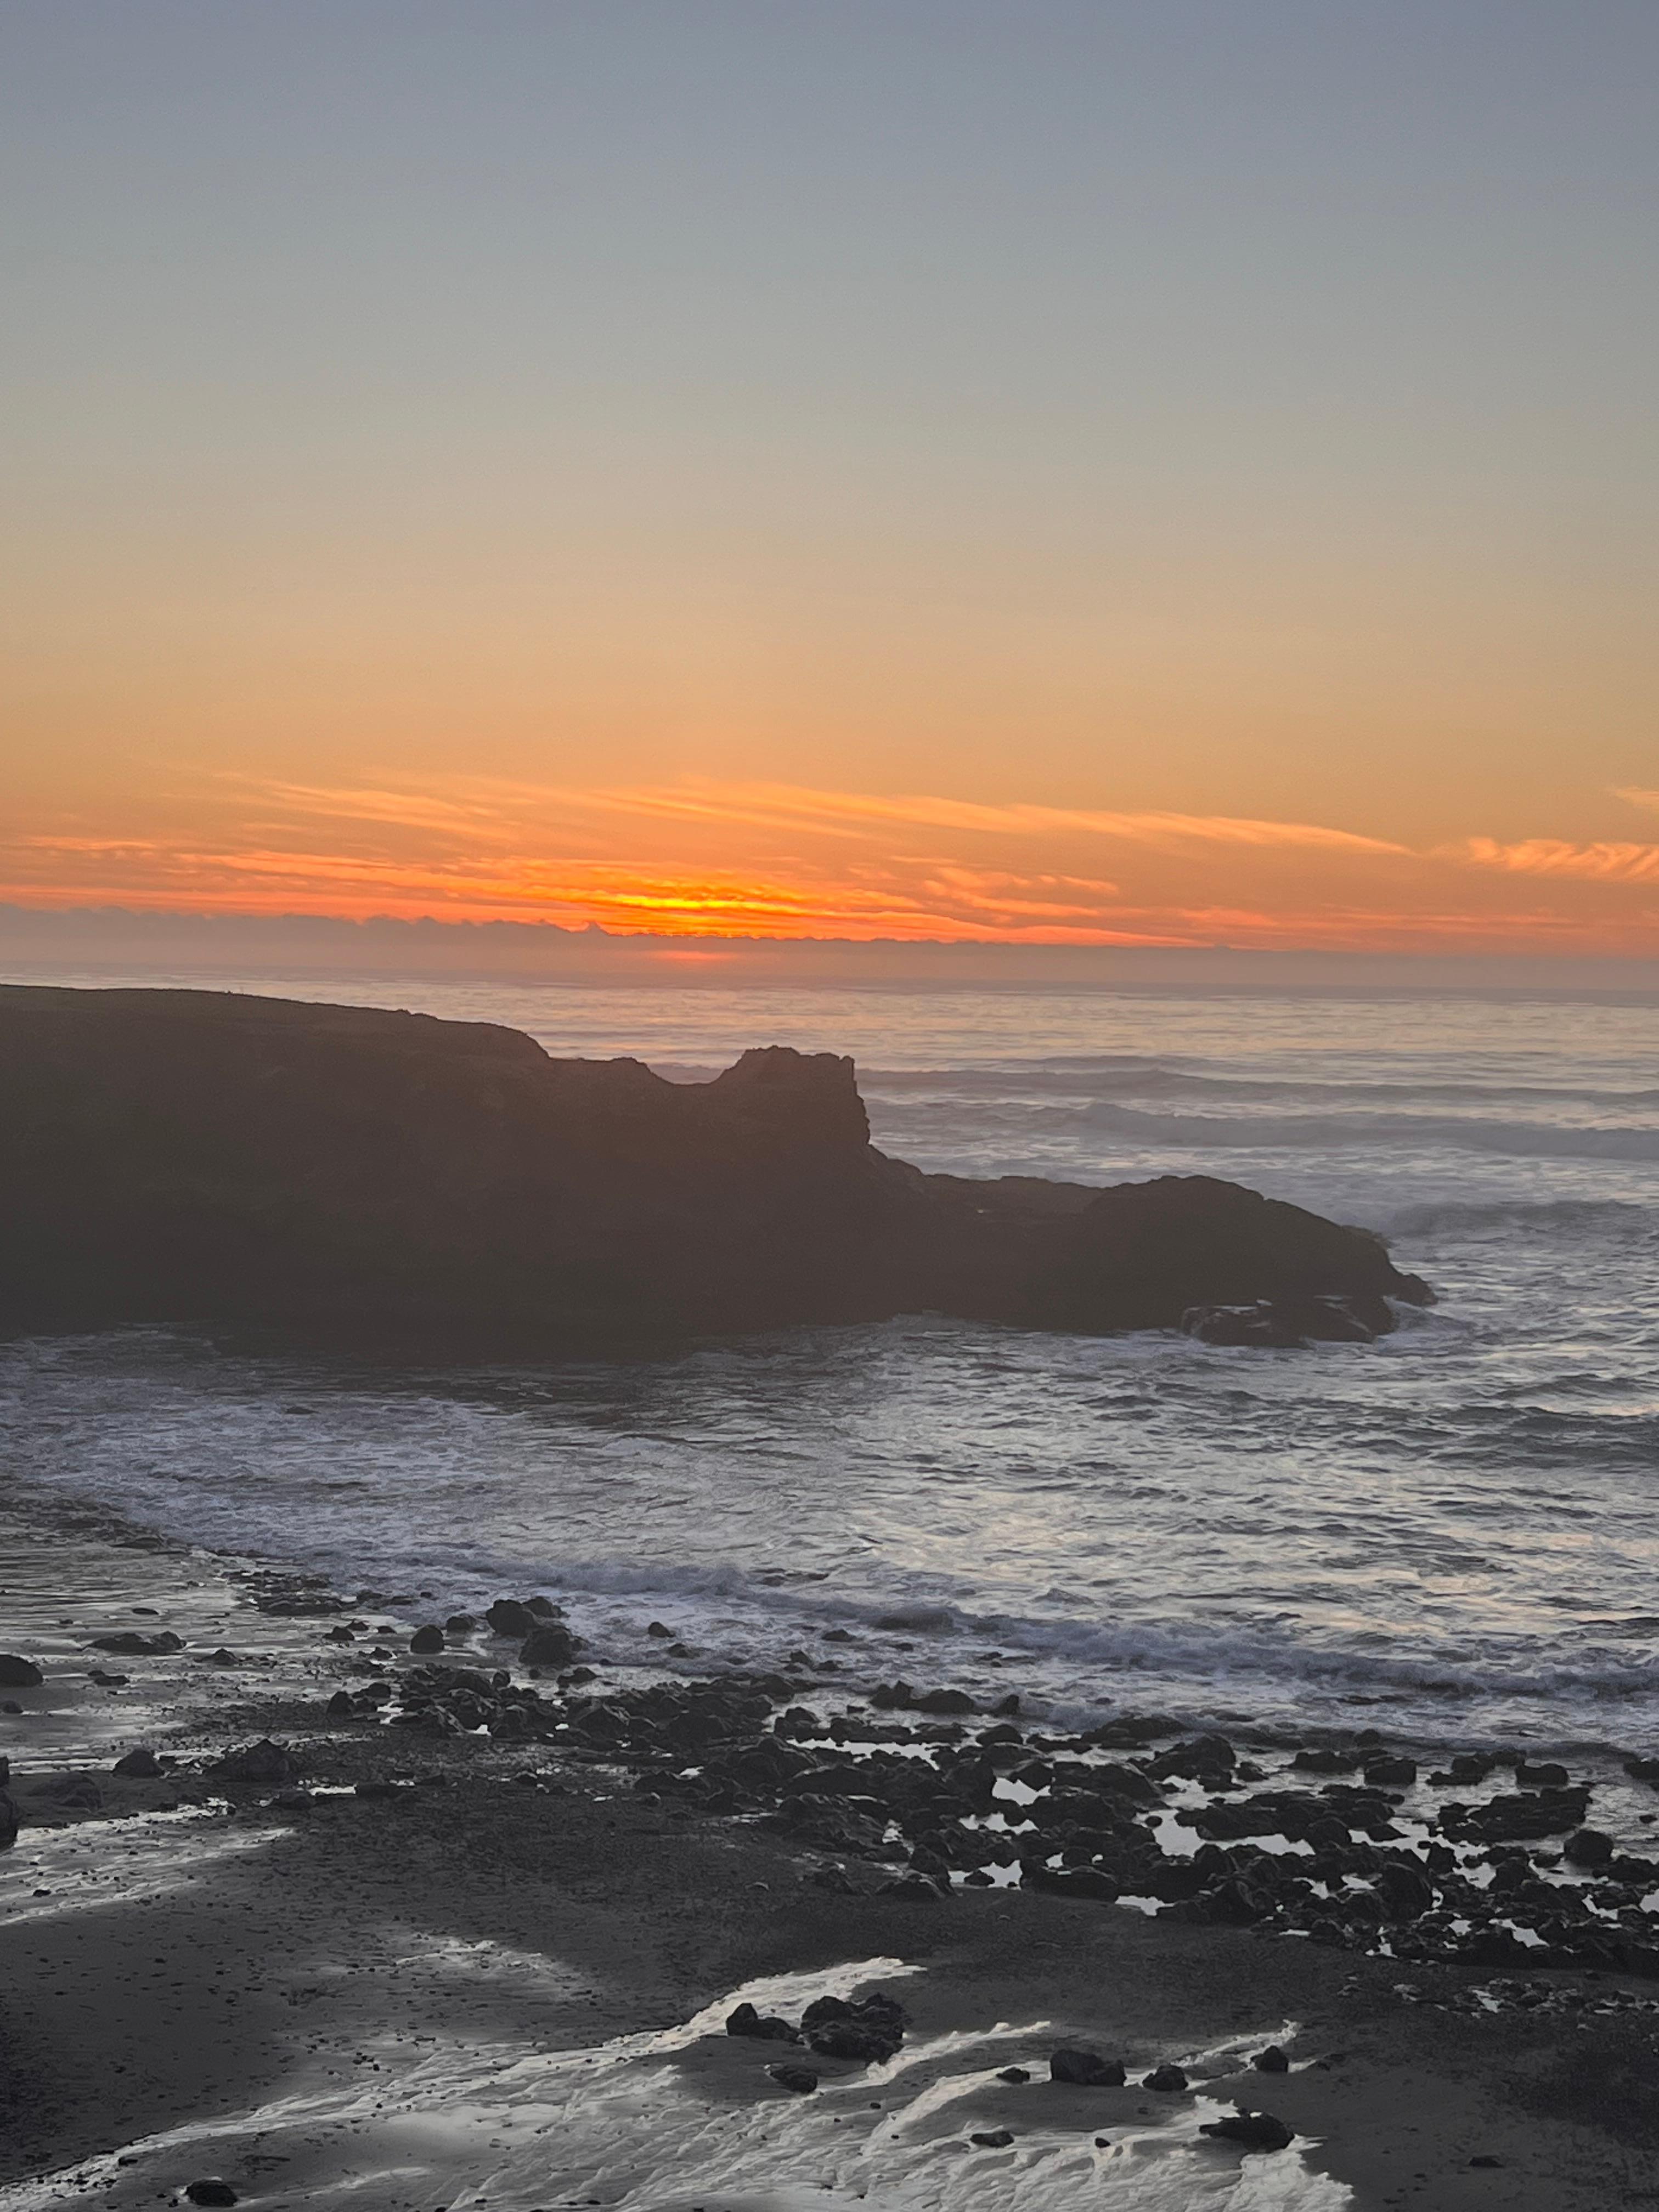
706,861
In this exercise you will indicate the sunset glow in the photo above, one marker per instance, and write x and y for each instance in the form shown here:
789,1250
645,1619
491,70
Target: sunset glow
945,475
702,860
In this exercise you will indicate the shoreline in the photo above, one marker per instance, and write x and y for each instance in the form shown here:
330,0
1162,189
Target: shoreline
617,1890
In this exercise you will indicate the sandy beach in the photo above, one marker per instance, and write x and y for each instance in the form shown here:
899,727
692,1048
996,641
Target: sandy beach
415,1969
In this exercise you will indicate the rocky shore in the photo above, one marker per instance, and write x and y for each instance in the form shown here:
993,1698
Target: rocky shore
440,1846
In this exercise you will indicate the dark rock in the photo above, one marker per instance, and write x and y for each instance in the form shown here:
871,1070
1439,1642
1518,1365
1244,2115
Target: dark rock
107,1681
993,2139
659,1628
1486,2159
1206,1758
1167,2080
800,2079
1072,1882
1547,1775
1251,2131
1392,1774
1326,1761
765,2028
1016,2076
140,1765
261,1762
869,2029
210,2191
133,1643
8,1821
19,1674
460,1624
548,1644
1272,2060
341,1706
1087,2069
1588,1847
375,1788
509,1617
425,1641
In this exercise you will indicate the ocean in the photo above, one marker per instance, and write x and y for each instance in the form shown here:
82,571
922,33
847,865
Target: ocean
1452,1534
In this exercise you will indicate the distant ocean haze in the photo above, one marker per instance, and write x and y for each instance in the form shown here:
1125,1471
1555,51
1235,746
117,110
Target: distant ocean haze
1457,1528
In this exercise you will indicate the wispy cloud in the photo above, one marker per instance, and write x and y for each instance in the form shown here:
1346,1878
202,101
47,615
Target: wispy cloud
704,859
1553,856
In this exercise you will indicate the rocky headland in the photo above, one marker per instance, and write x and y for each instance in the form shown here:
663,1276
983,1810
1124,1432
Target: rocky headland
348,1173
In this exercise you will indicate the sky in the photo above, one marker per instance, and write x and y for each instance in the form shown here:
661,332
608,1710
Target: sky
1176,474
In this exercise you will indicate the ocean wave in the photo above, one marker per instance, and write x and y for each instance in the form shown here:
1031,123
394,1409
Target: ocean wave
1150,1079
1086,1661
1329,1132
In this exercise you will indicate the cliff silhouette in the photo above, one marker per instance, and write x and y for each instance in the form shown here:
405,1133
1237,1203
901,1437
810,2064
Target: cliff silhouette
352,1174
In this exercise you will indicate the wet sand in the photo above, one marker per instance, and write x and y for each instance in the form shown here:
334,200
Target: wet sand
503,1985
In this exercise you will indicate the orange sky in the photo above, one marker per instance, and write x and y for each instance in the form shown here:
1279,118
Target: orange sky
769,860
1079,472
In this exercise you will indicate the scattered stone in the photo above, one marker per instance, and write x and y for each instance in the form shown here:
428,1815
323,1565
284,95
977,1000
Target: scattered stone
210,2191
867,2029
766,2027
1394,1774
801,2079
508,1617
1251,2131
659,1628
107,1681
1588,1847
1087,2069
993,2139
130,1643
550,1644
1015,2075
460,1624
427,1640
263,1762
1166,2080
1272,2060
140,1765
17,1673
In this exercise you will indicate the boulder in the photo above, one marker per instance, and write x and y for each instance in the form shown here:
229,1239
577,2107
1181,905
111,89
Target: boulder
1167,2081
211,2190
140,1765
869,2029
8,1821
1087,2069
265,1763
993,2139
19,1674
509,1616
131,1642
764,2028
550,1644
1251,2131
427,1640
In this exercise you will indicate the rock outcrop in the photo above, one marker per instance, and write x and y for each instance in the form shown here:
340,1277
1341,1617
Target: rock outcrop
356,1174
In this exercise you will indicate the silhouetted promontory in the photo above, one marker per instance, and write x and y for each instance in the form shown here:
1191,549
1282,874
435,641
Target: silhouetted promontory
358,1174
